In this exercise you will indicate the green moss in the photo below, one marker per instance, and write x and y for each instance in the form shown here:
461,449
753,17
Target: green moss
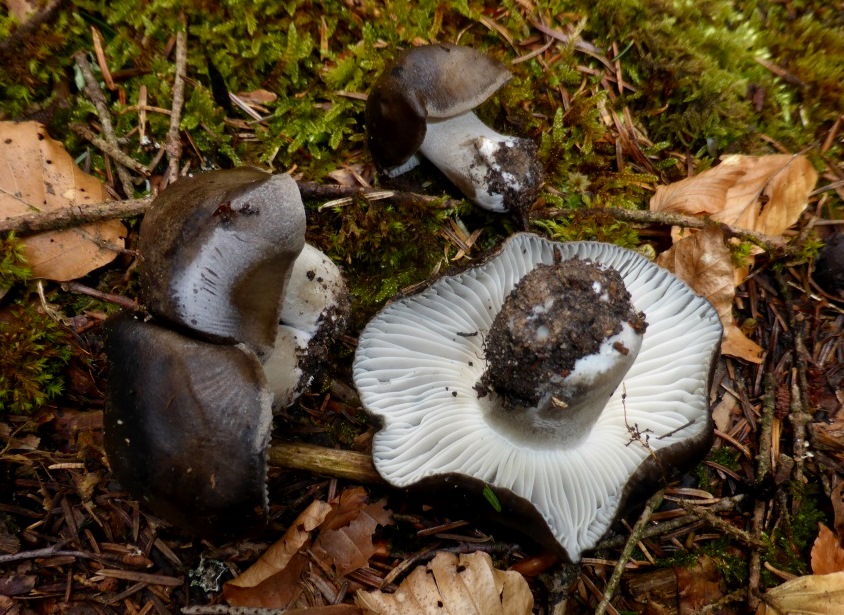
34,350
13,265
590,226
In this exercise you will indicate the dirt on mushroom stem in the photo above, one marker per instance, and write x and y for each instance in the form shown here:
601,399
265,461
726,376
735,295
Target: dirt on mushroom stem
554,316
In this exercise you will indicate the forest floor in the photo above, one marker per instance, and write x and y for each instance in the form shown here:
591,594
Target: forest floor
623,102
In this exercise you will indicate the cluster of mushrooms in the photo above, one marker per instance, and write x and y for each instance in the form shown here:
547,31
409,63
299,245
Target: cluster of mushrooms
555,380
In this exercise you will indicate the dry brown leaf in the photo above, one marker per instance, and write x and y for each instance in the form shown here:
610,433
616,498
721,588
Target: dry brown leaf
271,581
698,584
258,97
765,194
468,585
827,554
346,540
837,498
37,175
821,594
702,260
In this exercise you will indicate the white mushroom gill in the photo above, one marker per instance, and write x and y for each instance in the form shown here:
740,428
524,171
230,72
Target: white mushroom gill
419,359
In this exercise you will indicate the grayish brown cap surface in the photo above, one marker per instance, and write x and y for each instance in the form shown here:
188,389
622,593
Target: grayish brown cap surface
217,252
187,425
419,360
432,81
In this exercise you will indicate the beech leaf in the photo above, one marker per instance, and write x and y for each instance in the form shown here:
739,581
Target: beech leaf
765,194
827,554
452,585
702,260
37,175
349,546
821,594
272,580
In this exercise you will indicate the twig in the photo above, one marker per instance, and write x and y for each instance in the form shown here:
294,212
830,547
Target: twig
635,537
773,245
77,216
74,216
174,139
718,523
120,300
669,526
336,463
220,609
763,469
95,94
736,596
107,148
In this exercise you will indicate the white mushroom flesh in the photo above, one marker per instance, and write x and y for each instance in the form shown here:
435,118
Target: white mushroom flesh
419,359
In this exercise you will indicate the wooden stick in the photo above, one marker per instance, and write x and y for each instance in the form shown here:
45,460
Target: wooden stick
335,463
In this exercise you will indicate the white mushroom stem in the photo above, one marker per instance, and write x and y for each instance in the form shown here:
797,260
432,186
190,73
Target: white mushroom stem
570,405
484,164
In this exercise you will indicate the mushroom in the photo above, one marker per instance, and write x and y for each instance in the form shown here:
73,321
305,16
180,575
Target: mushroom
560,378
315,309
187,426
218,250
423,103
241,310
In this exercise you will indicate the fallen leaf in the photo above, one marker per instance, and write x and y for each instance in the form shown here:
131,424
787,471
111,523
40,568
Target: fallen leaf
37,175
349,546
258,97
821,594
722,414
827,554
468,585
698,584
765,194
837,498
702,260
271,581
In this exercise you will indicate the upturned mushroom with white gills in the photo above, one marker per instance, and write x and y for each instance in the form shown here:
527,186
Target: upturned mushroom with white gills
241,312
556,379
423,103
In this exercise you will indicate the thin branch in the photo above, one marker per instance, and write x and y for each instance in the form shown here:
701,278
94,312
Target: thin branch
719,523
174,138
95,94
772,245
634,539
70,217
107,148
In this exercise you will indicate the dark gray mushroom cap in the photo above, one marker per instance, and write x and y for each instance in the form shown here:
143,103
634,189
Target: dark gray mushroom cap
433,81
217,251
187,424
419,361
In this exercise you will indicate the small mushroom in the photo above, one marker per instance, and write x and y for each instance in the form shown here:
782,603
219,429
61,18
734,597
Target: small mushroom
217,251
561,378
234,294
423,103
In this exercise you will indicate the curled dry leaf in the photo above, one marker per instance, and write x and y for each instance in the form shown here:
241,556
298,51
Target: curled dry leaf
37,175
346,540
765,194
827,554
811,595
452,585
702,260
345,529
271,581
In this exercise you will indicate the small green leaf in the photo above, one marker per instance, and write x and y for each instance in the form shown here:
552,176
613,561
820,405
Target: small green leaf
490,496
